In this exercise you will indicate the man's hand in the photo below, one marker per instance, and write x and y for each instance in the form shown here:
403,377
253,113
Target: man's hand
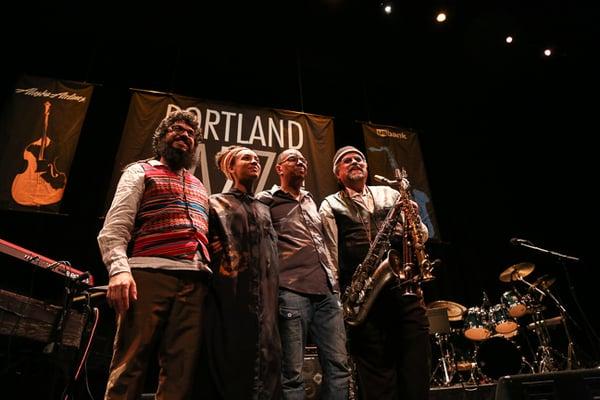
121,291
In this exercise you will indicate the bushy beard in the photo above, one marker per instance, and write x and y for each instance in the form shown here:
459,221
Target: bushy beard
176,159
355,176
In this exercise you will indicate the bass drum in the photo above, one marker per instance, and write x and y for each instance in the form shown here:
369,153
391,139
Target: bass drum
497,357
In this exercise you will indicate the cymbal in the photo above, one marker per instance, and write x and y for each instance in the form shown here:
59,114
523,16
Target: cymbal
455,310
544,282
514,272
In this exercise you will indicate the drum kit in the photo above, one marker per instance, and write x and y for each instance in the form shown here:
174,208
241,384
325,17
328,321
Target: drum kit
491,341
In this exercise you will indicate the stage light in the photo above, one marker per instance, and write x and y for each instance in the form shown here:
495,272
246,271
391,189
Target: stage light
441,17
509,39
547,52
387,7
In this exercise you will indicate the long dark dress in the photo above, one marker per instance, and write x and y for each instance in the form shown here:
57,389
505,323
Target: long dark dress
242,338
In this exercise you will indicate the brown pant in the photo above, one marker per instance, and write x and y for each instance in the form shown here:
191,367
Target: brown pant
166,316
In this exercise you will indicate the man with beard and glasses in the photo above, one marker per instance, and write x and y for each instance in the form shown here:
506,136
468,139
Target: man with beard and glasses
154,243
309,299
390,348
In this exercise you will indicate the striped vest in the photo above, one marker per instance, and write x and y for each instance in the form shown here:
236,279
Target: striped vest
172,219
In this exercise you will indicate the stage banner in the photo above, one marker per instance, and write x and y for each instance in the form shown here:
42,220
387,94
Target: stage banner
39,131
266,131
390,148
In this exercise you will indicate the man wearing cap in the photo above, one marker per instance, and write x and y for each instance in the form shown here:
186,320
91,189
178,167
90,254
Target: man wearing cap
390,348
309,299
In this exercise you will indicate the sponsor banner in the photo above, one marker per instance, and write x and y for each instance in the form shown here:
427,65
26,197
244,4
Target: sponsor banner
390,148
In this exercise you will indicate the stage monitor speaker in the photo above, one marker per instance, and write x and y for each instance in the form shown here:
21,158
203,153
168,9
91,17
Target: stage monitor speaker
312,374
583,384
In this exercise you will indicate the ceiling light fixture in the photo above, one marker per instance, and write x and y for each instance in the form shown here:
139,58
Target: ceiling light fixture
387,6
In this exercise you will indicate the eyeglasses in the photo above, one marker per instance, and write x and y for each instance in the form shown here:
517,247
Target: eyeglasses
178,129
295,160
349,159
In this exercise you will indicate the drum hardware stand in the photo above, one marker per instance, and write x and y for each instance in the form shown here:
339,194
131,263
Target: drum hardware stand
548,359
439,326
524,362
446,365
571,359
475,376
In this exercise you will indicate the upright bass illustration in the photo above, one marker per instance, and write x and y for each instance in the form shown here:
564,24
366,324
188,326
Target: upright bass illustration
41,183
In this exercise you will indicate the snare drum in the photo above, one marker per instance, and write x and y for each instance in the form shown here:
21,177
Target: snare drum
514,303
501,320
476,324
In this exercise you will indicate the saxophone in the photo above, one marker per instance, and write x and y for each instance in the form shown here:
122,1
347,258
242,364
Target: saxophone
413,243
382,263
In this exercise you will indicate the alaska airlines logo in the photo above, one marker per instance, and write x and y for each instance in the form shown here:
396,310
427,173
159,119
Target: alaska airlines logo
388,133
35,92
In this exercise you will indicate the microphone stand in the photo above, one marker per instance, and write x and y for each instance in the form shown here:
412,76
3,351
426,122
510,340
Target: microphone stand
560,256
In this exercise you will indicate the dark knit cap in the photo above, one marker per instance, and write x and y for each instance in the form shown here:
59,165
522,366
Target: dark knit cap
342,152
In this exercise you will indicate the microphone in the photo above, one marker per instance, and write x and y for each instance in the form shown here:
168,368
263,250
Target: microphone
518,242
382,179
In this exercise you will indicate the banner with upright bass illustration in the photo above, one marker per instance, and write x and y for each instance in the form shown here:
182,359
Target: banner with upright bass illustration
390,148
39,132
267,131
